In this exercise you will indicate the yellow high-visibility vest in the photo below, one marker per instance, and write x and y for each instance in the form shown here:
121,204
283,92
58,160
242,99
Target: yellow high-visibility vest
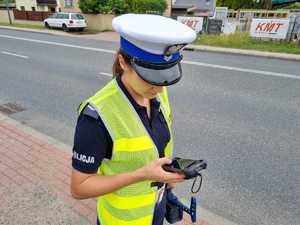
133,148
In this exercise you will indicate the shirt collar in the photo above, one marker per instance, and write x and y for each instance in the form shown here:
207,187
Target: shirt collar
155,104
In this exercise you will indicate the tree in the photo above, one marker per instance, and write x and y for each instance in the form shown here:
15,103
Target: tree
246,4
122,6
119,6
238,4
144,6
295,5
92,6
266,4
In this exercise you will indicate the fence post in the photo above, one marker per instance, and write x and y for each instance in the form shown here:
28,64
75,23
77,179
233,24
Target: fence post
248,24
293,21
291,28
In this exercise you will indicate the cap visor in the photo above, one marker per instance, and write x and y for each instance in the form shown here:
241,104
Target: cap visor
161,77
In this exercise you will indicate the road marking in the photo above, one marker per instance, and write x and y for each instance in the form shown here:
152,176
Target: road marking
9,53
58,44
261,72
267,73
106,74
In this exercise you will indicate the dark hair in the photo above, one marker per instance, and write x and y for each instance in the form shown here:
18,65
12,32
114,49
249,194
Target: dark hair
116,68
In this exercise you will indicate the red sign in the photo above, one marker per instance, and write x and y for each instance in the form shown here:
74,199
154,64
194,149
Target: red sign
268,27
195,23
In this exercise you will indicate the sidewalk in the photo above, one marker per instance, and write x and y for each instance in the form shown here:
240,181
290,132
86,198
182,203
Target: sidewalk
35,178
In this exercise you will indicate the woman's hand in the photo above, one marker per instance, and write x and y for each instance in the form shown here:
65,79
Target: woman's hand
171,185
85,186
154,171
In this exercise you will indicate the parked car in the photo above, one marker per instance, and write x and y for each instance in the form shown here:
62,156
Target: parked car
66,21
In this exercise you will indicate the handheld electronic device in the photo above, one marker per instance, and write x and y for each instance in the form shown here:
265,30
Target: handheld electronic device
189,167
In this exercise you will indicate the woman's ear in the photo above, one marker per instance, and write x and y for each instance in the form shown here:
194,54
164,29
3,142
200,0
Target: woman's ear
122,62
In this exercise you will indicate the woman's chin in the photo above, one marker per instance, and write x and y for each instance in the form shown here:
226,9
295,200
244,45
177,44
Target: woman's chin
150,95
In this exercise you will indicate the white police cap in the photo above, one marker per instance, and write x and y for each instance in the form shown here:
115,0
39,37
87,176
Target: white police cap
153,43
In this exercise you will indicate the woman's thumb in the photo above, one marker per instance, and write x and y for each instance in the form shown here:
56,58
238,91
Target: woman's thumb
163,161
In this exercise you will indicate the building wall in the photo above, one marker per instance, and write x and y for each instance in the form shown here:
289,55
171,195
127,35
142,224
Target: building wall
179,12
74,8
4,15
4,18
28,4
168,10
99,22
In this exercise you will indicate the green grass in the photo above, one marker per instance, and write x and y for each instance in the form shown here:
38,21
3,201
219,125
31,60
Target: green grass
22,25
244,41
89,31
41,27
92,31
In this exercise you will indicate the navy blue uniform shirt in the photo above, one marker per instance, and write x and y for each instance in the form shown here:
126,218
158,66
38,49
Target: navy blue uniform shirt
92,142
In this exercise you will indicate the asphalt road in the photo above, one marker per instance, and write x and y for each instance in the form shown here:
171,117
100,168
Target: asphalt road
240,113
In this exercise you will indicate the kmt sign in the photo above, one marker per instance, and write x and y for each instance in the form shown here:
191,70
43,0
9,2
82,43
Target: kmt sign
196,23
269,28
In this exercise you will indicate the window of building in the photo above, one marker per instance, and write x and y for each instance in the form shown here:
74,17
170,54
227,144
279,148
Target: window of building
68,3
33,9
23,8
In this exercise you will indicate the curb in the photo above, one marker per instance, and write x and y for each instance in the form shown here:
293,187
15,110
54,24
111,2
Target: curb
235,51
35,133
206,215
247,52
44,31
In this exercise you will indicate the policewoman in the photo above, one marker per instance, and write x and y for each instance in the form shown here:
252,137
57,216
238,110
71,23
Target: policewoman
123,134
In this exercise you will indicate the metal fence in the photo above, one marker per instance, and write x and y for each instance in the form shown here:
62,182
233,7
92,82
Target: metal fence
294,28
242,14
243,20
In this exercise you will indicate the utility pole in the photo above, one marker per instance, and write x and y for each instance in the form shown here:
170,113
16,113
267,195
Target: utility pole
7,8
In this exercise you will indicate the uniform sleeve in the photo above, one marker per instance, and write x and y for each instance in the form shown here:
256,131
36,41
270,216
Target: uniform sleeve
92,143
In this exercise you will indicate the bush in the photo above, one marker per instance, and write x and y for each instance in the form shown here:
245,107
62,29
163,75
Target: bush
295,5
90,6
145,6
119,6
122,6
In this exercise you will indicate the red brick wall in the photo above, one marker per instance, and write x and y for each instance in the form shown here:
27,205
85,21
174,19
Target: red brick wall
31,15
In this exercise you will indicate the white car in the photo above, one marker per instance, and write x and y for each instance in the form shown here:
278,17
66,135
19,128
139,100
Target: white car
66,21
